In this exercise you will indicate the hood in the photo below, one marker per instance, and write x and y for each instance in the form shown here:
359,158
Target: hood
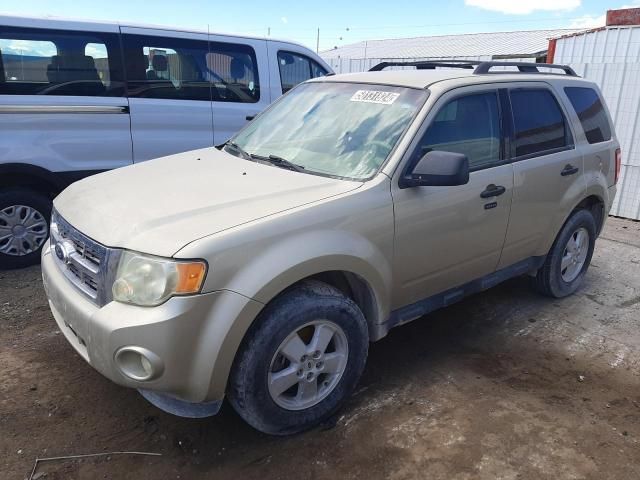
159,206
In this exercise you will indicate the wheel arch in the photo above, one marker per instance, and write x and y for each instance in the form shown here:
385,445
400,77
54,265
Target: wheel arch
16,175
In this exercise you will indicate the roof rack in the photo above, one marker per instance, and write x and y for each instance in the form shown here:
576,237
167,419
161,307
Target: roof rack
427,64
480,67
523,67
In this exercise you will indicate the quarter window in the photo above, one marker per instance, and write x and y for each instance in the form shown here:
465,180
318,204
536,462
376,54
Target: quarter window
53,62
295,69
469,125
591,113
539,123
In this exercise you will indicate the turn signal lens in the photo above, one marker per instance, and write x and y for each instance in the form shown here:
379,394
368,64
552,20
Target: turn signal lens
618,164
190,277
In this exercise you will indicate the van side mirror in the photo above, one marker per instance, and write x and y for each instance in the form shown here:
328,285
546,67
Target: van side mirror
438,169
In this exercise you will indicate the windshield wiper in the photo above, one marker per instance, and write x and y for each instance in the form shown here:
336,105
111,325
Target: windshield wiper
279,162
244,154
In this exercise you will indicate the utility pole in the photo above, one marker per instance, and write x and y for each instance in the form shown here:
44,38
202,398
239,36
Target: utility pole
318,41
268,31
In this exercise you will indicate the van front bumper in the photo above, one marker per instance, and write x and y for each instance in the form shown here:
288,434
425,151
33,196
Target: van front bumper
189,342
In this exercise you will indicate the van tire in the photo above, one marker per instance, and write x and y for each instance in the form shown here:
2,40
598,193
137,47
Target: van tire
550,280
249,390
37,202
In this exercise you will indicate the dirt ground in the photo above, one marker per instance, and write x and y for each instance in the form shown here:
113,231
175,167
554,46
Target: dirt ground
505,385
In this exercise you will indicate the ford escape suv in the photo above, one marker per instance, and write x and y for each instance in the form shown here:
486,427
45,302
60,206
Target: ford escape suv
261,270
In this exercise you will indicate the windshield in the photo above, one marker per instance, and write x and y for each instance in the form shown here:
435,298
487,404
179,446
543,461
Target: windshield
339,129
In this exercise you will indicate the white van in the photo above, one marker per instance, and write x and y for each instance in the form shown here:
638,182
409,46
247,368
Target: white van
77,98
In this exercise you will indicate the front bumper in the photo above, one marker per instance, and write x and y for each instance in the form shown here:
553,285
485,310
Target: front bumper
195,338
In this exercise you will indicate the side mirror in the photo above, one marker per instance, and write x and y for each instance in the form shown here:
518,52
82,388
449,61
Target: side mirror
438,169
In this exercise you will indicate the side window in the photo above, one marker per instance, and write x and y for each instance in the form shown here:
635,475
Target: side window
54,62
169,68
539,123
233,71
469,125
591,113
296,68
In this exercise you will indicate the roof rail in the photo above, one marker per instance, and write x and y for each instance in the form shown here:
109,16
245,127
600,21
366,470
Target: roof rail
427,64
523,67
480,67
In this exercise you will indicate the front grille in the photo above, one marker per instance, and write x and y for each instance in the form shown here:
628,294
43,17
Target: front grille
84,261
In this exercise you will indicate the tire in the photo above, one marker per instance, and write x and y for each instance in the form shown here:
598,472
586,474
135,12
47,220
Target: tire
555,280
259,360
18,208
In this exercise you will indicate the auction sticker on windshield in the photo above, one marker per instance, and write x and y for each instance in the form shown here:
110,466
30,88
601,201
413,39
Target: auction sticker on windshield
373,96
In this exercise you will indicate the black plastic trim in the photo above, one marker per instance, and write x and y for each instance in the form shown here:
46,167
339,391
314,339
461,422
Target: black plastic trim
422,307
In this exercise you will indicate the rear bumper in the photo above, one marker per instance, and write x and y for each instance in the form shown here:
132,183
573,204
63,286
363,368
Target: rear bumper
188,336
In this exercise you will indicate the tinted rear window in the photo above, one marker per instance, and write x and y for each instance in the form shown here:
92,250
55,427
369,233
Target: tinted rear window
539,123
56,62
590,110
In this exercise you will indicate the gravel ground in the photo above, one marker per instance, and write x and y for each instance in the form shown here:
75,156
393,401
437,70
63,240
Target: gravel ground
506,384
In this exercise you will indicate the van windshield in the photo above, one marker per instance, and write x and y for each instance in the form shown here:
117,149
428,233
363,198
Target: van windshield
341,130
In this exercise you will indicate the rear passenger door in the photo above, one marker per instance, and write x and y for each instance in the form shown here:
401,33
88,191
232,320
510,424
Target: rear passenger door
169,91
548,171
62,102
239,73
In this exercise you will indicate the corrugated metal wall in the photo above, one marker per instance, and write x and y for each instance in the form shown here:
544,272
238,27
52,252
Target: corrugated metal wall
611,58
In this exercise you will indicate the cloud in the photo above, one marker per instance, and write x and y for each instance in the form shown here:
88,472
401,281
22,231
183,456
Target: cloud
593,21
284,20
524,7
588,21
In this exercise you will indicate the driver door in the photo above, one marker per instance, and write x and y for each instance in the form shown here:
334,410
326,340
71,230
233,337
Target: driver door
448,236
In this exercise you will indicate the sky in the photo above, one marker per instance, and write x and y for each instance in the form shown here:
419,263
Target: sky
340,22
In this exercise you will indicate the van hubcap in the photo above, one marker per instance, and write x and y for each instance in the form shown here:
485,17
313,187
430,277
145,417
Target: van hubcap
23,230
575,255
308,365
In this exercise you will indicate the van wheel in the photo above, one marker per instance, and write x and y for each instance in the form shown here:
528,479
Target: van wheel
301,359
569,258
24,227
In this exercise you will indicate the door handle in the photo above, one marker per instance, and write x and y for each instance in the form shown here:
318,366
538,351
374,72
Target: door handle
248,118
569,170
493,191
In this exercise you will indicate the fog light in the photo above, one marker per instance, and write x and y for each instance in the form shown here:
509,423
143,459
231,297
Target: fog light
138,363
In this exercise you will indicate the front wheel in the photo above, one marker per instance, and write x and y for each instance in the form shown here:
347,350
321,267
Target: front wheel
24,227
300,361
569,258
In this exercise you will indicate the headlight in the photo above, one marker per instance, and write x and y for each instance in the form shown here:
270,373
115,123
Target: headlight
147,281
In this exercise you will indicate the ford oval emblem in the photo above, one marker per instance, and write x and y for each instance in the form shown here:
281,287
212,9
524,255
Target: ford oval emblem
60,252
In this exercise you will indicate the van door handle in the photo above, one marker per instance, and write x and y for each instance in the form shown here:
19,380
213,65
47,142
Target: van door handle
248,118
569,170
493,191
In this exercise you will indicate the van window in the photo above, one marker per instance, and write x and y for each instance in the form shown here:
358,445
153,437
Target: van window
233,71
169,68
588,106
53,62
539,123
469,125
296,68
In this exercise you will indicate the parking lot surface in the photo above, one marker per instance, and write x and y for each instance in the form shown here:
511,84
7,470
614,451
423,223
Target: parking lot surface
506,384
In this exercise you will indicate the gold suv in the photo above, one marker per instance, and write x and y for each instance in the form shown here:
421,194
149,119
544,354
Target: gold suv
261,269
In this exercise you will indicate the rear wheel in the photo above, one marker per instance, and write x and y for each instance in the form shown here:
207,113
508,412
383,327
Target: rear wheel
569,258
24,227
301,360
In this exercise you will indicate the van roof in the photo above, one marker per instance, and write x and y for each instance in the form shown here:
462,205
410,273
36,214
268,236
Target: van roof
62,23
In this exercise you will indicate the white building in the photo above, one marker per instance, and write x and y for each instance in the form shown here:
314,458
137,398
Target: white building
610,56
523,46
